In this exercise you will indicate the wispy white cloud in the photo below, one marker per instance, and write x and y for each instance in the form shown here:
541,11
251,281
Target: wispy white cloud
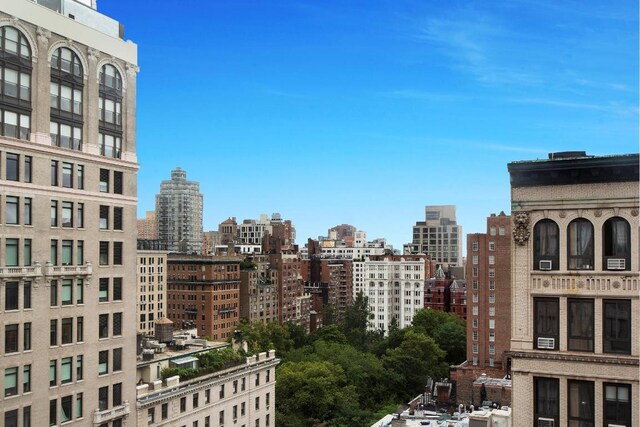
612,107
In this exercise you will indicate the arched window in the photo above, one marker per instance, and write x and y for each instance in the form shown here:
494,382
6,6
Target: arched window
110,137
66,99
580,245
546,245
616,250
15,83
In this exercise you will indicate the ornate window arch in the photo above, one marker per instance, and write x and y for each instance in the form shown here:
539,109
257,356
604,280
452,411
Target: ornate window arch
580,245
66,98
616,241
546,245
110,105
15,83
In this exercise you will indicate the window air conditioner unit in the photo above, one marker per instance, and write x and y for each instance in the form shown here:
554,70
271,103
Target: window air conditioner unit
546,422
545,264
546,343
616,263
615,425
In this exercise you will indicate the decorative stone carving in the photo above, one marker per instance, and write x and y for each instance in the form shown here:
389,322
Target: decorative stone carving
634,212
93,54
598,213
616,284
521,231
546,283
562,214
580,284
43,35
132,69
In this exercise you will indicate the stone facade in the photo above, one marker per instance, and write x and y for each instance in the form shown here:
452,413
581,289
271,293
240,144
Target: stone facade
68,220
575,313
152,289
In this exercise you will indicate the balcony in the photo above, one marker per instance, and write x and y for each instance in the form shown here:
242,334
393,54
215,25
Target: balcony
604,284
68,270
100,417
19,272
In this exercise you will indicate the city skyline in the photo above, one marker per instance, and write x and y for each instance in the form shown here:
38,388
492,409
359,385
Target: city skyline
377,111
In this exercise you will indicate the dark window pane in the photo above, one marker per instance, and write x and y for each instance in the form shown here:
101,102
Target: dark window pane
617,326
580,245
581,403
580,327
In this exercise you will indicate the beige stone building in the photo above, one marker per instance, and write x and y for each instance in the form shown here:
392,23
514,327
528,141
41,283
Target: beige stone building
152,289
242,395
147,227
68,193
575,309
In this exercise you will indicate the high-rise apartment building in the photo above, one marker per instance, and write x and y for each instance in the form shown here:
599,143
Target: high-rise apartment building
152,288
68,173
68,192
439,235
179,213
204,292
259,300
394,286
575,310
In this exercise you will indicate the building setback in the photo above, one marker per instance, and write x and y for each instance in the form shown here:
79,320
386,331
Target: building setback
179,213
574,302
204,292
68,191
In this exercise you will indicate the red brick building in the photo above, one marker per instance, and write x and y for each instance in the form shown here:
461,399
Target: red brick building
259,301
489,306
204,292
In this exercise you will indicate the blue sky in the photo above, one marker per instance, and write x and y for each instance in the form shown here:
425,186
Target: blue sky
364,112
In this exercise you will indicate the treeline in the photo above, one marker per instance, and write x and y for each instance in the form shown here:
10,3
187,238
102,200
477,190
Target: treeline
345,375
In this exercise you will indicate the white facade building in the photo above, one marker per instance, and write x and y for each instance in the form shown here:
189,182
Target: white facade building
394,286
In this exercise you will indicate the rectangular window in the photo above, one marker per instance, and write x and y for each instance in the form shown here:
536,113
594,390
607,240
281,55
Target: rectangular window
11,211
79,405
103,326
26,212
79,375
546,323
54,172
492,260
103,398
11,296
117,359
65,370
67,214
67,252
13,166
183,404
103,362
10,382
67,291
151,415
67,175
67,330
617,326
117,218
221,418
475,259
65,409
581,403
79,291
53,373
26,256
257,403
117,288
26,338
492,246
28,161
103,290
54,252
80,177
546,399
117,253
221,395
53,411
165,411
26,378
194,400
80,218
580,327
80,252
80,329
117,394
117,182
53,293
54,213
617,404
104,217
104,180
104,253
117,324
53,332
